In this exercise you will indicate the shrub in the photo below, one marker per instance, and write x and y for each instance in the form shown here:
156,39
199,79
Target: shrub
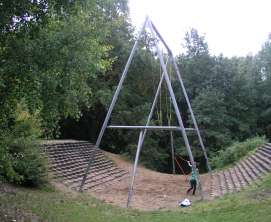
21,161
6,169
236,151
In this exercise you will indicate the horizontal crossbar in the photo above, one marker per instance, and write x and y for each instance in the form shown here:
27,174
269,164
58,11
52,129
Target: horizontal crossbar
170,128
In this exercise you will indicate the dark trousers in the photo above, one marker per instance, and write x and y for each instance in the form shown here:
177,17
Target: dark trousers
193,185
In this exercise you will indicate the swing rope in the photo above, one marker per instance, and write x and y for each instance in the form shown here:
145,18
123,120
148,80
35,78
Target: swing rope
182,158
180,167
159,107
169,119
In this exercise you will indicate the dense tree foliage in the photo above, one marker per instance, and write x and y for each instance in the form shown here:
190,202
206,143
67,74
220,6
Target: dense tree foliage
226,93
21,161
54,67
62,59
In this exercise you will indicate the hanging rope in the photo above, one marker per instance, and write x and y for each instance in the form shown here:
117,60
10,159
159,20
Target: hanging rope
168,101
169,119
179,165
161,100
182,158
159,106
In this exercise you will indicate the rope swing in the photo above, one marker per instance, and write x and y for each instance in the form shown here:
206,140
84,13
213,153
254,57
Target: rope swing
149,26
169,118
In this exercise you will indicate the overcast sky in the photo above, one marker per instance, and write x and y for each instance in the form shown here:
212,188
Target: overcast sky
231,27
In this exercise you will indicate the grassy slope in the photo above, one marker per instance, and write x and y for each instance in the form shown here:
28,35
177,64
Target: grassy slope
251,205
230,155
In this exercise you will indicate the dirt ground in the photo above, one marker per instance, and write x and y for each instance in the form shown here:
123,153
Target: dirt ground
152,190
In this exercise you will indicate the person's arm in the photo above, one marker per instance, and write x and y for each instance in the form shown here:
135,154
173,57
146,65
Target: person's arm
189,164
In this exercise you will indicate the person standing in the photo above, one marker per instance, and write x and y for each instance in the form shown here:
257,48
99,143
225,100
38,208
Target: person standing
192,180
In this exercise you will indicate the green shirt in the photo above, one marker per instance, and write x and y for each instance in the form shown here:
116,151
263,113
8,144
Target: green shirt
193,175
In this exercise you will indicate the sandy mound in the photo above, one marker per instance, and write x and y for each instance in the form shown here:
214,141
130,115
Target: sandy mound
152,190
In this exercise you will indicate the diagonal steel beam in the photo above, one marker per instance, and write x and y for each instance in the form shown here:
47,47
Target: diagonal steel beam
185,95
141,139
175,105
192,115
115,97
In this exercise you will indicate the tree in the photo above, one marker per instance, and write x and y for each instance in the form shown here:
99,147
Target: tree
211,112
264,97
55,69
195,44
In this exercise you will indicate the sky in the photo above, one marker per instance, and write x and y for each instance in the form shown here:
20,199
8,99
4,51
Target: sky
231,27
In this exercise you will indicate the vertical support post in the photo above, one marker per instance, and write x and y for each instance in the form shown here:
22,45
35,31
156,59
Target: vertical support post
191,112
172,152
175,105
115,97
131,187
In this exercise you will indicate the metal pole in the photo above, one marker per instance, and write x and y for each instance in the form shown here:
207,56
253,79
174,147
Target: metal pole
120,85
131,187
113,102
175,106
160,37
154,103
192,113
170,128
142,137
185,95
172,153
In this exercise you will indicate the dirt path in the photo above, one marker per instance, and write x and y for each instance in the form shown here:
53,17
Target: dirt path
152,190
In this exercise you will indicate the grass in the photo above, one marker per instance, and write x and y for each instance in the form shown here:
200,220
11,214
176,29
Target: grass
252,205
235,152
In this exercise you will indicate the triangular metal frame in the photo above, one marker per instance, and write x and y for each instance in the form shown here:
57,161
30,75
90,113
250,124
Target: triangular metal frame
165,76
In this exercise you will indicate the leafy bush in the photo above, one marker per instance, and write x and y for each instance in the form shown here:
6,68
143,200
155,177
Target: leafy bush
21,161
236,151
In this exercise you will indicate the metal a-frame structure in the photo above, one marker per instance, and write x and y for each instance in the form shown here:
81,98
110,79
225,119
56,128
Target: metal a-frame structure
148,24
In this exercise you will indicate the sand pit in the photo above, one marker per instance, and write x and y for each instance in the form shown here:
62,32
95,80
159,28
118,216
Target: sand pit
152,190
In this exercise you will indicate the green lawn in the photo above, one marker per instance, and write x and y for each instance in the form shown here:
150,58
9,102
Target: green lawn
251,205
